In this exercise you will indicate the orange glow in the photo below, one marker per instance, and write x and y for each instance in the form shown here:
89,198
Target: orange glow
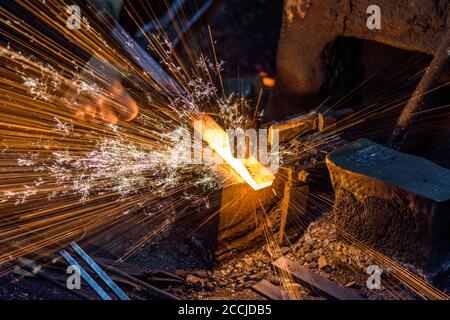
266,80
250,169
122,107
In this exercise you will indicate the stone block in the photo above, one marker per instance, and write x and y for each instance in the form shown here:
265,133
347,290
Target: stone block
393,202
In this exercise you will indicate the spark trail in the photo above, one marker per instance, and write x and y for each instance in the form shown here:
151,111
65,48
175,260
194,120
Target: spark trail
76,156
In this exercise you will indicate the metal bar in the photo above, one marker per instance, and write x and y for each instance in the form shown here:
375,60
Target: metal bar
85,275
140,283
418,98
164,21
285,204
94,266
37,271
192,21
145,61
293,127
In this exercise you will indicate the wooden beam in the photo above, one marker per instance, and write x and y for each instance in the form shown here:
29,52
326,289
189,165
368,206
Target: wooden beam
314,281
269,290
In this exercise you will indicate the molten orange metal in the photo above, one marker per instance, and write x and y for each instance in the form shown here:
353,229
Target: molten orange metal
250,169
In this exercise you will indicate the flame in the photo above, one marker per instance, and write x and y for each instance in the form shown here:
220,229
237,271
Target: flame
249,169
121,107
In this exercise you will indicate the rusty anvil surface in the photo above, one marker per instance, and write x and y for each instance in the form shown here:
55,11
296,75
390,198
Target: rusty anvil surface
394,202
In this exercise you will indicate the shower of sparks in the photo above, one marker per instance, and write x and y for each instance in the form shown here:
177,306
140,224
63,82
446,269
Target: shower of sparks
75,156
115,164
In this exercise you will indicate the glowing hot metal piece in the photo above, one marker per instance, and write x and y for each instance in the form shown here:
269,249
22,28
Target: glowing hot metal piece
250,169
